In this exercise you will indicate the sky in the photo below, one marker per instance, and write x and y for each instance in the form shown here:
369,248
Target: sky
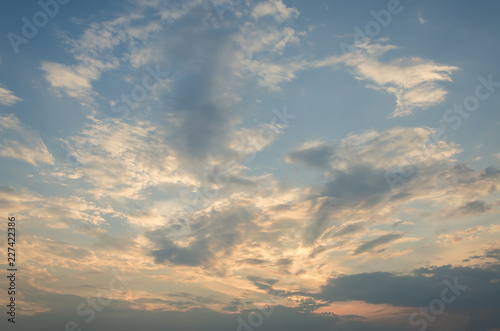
248,165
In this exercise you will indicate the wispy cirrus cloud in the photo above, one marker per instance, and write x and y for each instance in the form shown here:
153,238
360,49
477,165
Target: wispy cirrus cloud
7,97
21,143
377,242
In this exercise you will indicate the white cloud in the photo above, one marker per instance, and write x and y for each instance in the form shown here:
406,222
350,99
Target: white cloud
94,54
412,80
251,140
15,201
74,82
259,53
420,18
254,39
7,97
52,211
405,73
178,11
276,9
394,147
21,143
121,159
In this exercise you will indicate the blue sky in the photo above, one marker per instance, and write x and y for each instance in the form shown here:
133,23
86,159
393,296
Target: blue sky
337,161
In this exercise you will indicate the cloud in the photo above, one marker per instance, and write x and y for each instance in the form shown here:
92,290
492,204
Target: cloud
127,317
461,235
493,253
94,52
68,212
420,18
355,184
60,249
202,112
384,290
490,173
195,254
275,8
414,80
197,241
121,159
349,229
399,290
474,207
21,143
146,175
264,284
375,243
360,185
74,81
315,153
259,53
393,147
7,97
13,200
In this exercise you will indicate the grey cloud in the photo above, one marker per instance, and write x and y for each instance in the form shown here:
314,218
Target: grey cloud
400,290
373,244
253,261
200,59
318,156
374,288
493,253
474,207
317,250
490,172
197,253
348,229
199,299
310,305
217,232
233,307
360,187
269,281
265,284
284,262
